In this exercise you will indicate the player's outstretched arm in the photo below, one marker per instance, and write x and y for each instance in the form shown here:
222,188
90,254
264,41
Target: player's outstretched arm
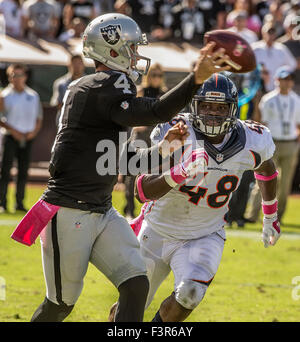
153,187
266,176
141,111
153,157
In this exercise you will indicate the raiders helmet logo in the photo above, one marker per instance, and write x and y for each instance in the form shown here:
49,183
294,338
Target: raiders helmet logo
110,33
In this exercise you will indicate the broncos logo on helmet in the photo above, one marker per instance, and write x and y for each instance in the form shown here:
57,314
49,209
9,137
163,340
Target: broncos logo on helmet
214,106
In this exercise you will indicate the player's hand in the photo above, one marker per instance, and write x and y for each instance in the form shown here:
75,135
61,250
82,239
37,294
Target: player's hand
30,135
174,139
210,62
17,135
271,231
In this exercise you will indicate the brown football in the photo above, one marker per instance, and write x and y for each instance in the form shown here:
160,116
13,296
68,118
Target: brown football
237,48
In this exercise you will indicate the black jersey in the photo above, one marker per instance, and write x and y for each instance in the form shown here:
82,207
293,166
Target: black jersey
98,107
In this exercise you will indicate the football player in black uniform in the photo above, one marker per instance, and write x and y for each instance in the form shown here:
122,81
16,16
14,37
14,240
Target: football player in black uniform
98,107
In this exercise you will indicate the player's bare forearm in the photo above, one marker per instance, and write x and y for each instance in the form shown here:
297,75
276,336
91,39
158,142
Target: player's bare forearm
153,187
267,188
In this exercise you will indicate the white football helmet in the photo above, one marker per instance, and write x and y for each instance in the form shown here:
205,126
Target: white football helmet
118,32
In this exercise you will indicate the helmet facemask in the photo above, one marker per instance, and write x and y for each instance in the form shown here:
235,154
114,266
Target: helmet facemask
213,121
137,63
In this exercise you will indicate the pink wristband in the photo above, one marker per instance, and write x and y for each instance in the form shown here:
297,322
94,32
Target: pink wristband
265,178
140,189
269,209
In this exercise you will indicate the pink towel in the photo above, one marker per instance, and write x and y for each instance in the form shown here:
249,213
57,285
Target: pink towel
34,222
136,223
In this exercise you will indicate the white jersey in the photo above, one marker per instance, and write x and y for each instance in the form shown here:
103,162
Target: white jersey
190,212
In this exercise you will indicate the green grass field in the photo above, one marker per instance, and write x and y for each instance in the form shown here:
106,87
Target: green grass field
253,284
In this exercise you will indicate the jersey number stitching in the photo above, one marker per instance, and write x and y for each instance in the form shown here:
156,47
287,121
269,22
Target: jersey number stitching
255,126
197,192
122,83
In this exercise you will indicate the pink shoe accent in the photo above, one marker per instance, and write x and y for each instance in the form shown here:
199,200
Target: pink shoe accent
34,222
276,226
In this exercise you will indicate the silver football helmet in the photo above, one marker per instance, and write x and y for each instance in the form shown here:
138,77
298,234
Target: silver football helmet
118,32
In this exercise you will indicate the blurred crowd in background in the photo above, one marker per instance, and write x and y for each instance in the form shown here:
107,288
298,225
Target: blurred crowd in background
162,20
272,27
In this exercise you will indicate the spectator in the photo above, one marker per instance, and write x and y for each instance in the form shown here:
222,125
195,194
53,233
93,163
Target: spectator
188,22
275,17
122,7
40,19
291,7
22,120
280,112
253,20
11,10
143,12
83,9
164,20
75,31
262,8
60,7
240,27
291,41
213,12
75,71
272,55
105,6
153,85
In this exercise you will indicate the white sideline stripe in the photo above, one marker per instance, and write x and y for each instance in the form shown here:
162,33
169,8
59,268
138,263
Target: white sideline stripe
229,232
9,222
257,235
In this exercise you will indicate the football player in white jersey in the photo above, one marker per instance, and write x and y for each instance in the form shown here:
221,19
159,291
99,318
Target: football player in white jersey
181,226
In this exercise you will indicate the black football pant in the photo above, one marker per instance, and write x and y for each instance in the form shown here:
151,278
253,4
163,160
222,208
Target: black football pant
13,150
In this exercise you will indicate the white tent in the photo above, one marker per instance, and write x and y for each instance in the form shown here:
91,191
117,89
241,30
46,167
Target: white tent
170,56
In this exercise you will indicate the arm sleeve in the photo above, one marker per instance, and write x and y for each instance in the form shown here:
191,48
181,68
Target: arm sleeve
142,111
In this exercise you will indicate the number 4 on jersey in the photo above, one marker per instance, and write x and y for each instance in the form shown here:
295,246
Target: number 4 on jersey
122,83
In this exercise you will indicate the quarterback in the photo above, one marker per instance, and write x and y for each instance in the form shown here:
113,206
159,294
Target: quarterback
181,227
